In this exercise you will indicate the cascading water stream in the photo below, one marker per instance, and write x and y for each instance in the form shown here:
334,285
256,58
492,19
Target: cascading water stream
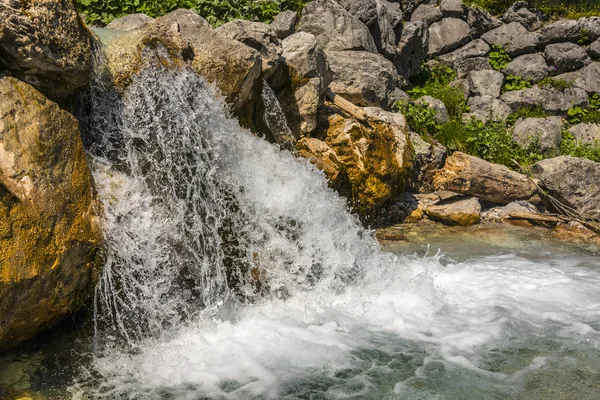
234,272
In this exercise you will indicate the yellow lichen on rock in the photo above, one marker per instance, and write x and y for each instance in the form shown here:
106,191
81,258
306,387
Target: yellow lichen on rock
49,238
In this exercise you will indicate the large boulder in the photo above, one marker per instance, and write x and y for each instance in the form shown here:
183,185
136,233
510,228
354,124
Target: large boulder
551,100
575,182
546,132
487,108
514,37
412,48
335,28
486,83
564,30
525,14
453,8
565,57
428,13
363,78
473,176
475,48
465,66
366,163
594,50
45,44
284,23
232,66
481,21
531,67
50,243
586,133
310,76
447,35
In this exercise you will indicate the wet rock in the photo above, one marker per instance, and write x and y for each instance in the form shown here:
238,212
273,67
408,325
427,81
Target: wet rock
452,9
460,212
481,22
550,99
486,83
261,37
531,67
129,22
412,48
546,132
447,35
575,232
440,111
335,28
586,133
428,158
375,160
475,48
232,66
323,157
468,65
565,57
487,108
525,14
284,23
473,176
514,37
564,30
50,246
363,78
573,181
427,13
45,44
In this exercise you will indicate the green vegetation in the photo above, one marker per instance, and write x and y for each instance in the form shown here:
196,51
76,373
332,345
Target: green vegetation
551,8
526,112
512,82
216,12
572,147
558,84
578,115
499,57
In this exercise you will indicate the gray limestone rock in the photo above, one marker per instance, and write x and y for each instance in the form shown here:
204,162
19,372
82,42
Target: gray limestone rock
566,57
447,35
129,22
564,30
546,132
487,108
452,9
486,83
586,133
412,48
284,23
475,48
525,14
514,37
550,99
464,67
427,13
438,106
531,67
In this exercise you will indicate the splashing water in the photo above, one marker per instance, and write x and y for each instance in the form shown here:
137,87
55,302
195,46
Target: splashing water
234,272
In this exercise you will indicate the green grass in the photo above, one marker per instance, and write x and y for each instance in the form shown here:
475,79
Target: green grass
572,147
216,12
553,9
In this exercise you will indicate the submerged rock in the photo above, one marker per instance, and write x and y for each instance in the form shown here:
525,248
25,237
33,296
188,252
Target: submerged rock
45,44
50,244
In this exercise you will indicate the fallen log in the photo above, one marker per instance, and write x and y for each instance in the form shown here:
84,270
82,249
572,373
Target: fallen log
555,218
353,110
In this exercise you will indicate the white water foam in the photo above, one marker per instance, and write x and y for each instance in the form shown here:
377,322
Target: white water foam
182,183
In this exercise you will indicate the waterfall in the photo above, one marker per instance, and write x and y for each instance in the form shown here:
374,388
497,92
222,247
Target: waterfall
198,212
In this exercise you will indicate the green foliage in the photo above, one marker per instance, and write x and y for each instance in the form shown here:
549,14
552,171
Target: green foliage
553,9
572,147
499,57
419,117
577,115
216,12
515,83
594,102
526,112
584,37
558,84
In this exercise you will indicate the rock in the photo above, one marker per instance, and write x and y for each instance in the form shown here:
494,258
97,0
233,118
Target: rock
573,181
468,65
531,67
486,83
232,66
441,114
591,25
452,9
481,22
409,6
394,118
364,10
575,232
284,23
565,57
463,85
427,13
503,213
546,132
487,108
460,212
564,30
335,28
310,76
475,48
50,243
45,44
472,176
514,37
586,133
525,14
363,78
386,27
428,158
129,22
588,78
375,160
447,35
412,49
550,99
261,37
323,157
594,50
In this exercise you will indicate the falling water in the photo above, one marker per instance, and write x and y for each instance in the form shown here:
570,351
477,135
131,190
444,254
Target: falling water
234,272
